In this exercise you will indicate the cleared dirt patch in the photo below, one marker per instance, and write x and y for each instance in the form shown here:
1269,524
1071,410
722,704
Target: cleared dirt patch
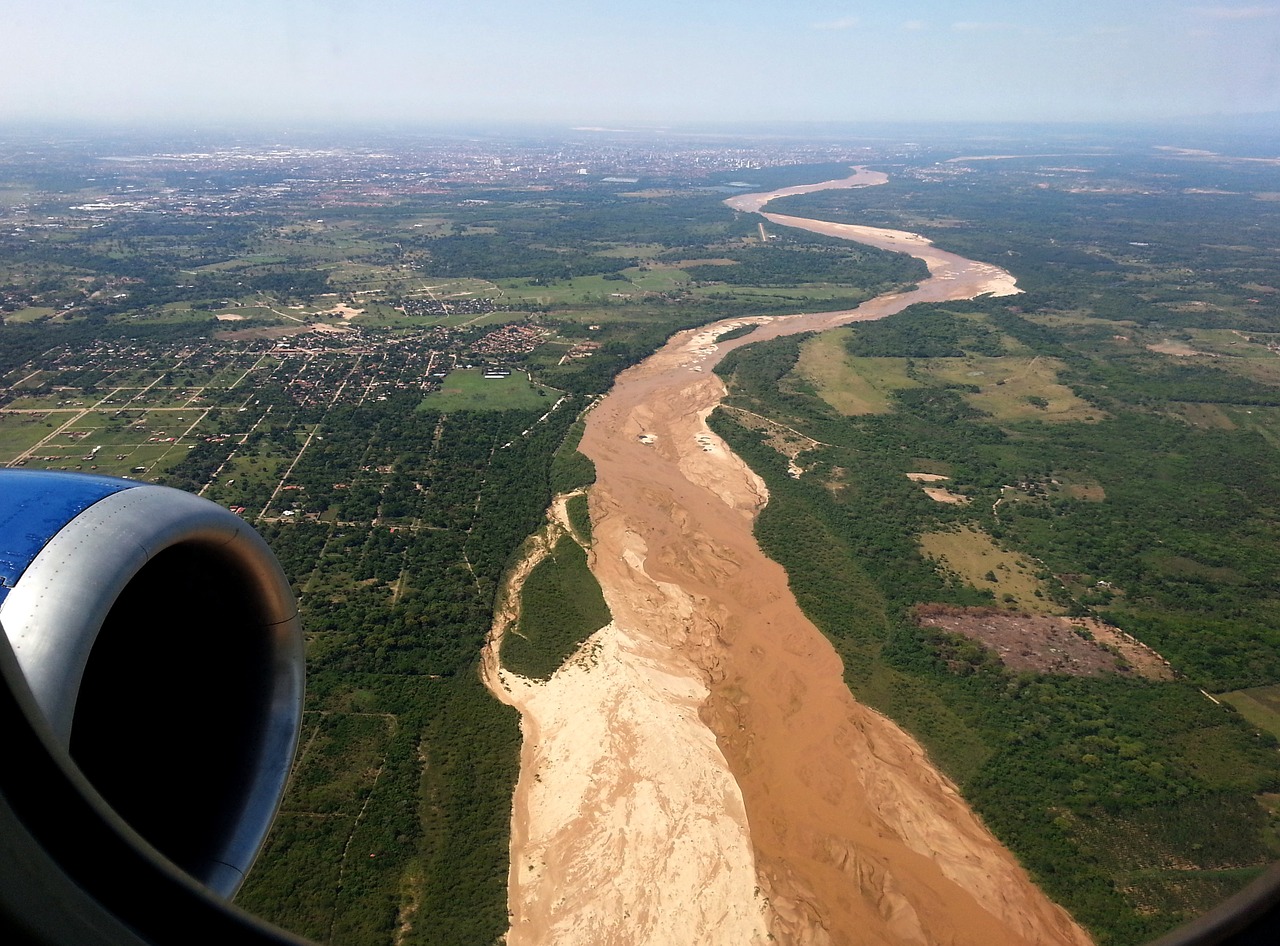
1177,349
941,495
1047,644
1089,492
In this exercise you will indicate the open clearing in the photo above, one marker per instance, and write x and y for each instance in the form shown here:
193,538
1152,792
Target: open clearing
1014,388
1045,644
972,555
1259,705
850,385
1010,387
471,391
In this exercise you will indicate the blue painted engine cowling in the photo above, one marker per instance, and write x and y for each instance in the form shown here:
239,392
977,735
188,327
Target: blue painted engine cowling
161,641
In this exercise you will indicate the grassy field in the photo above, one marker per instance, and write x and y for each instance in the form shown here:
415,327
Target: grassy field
850,385
20,432
1264,420
658,278
1259,705
976,558
1241,353
450,290
30,314
101,441
470,391
564,292
1013,388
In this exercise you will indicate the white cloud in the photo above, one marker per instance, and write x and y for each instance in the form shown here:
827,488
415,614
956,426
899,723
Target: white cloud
844,23
915,25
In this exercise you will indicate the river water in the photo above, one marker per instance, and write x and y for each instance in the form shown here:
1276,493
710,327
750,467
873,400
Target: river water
700,773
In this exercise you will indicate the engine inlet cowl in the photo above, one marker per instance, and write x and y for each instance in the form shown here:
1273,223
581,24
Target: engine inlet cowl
160,639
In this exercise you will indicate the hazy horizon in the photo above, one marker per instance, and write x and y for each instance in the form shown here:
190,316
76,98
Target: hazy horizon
573,63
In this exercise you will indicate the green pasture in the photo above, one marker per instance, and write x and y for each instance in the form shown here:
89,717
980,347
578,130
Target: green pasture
850,385
580,289
1259,705
488,318
30,314
657,278
467,390
1013,388
1263,420
20,432
450,290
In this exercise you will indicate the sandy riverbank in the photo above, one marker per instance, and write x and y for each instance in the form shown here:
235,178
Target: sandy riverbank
700,773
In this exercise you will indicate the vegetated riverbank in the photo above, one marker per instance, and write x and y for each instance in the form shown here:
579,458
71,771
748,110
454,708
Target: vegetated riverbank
704,774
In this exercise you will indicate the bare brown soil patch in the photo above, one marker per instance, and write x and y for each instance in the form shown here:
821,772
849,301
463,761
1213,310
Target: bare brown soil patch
1045,644
344,310
941,495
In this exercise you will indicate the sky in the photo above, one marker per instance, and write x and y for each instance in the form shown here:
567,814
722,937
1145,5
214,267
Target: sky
621,62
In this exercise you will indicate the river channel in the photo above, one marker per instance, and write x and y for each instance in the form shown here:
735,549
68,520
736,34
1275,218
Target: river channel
700,772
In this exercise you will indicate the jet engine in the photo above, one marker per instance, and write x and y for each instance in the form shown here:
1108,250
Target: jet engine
159,640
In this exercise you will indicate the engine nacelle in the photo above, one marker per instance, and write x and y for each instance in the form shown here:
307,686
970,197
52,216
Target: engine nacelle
160,639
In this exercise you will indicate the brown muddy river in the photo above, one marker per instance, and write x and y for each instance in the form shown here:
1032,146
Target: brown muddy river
700,773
